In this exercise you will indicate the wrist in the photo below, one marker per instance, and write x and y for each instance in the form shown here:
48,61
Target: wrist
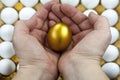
78,70
35,73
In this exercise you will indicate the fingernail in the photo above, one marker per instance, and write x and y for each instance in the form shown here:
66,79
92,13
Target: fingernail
93,17
92,14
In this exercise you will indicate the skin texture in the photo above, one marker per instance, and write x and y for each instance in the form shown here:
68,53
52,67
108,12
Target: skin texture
90,44
29,42
91,36
90,40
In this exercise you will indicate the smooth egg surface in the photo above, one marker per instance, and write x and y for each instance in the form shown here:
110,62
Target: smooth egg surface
59,37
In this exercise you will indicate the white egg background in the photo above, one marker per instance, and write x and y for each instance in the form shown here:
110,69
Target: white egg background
14,10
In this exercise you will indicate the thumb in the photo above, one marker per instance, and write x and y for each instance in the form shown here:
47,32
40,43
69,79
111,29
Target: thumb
101,26
99,22
99,38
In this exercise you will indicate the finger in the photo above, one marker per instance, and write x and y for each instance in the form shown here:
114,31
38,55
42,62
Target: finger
80,36
85,25
45,26
92,18
56,10
99,38
73,13
70,46
53,17
51,23
99,22
41,15
73,27
39,35
20,29
102,26
67,21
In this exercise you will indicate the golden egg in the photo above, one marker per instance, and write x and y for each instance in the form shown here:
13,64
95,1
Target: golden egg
59,37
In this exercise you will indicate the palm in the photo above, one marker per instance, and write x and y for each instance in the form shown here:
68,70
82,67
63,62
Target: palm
29,41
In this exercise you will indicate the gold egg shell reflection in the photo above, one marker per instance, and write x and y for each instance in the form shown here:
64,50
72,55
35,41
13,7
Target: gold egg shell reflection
59,37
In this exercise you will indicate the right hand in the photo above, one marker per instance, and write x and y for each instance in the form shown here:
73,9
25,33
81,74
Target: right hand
91,37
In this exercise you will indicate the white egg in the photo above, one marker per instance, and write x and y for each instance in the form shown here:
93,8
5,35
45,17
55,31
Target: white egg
6,32
45,1
90,4
111,69
111,53
111,15
9,15
9,3
70,2
115,34
6,50
7,66
109,4
29,3
26,13
87,12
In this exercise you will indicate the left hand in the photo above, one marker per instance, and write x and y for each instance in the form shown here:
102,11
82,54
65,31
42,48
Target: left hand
30,45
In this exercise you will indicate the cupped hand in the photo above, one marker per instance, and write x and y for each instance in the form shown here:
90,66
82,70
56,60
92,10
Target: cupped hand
91,36
74,19
30,43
